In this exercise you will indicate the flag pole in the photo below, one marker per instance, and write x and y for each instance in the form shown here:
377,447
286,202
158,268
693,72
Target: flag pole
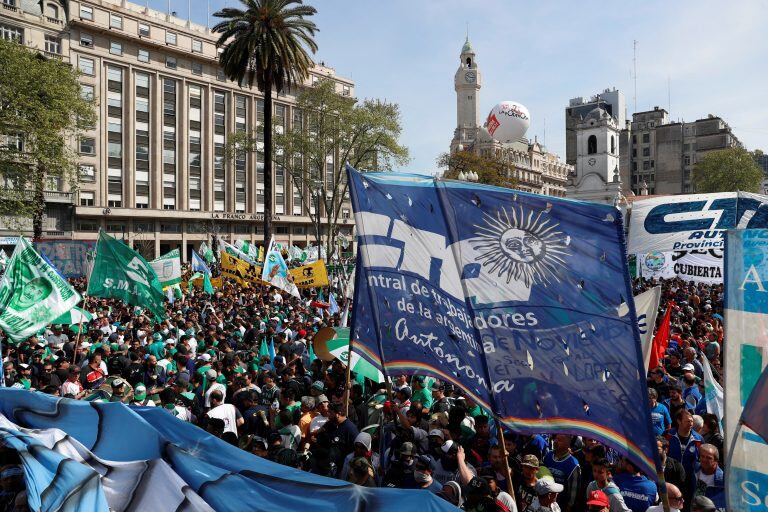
79,331
662,489
505,456
348,384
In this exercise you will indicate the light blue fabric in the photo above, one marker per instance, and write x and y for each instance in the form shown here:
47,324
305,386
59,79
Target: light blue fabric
226,477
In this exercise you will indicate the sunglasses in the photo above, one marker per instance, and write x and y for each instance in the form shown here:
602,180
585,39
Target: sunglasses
675,498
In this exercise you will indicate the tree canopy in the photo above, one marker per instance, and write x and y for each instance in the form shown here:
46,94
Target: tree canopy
490,170
41,112
727,170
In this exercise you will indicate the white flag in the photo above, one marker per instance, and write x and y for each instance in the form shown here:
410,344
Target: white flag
646,307
32,293
168,268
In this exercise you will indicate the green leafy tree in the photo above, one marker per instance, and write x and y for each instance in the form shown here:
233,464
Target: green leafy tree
267,42
727,170
490,171
331,130
41,113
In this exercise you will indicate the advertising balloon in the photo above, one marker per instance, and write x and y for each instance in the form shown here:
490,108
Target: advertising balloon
508,121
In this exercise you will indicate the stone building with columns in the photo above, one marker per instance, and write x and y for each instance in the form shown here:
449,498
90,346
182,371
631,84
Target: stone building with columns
153,170
536,170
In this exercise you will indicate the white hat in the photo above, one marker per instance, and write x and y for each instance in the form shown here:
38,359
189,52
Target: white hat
211,374
547,485
205,357
688,367
437,432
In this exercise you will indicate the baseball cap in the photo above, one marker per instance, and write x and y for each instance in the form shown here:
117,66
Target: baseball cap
598,498
211,374
118,382
205,357
438,385
318,385
547,485
437,432
478,486
531,461
448,446
408,449
703,504
688,367
321,398
139,392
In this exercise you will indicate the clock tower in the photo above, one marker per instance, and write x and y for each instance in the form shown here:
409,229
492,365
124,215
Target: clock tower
467,83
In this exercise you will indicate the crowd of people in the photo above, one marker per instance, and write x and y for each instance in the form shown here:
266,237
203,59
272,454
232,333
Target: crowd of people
205,364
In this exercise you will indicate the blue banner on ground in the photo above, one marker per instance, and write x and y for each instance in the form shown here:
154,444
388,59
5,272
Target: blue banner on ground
511,296
109,456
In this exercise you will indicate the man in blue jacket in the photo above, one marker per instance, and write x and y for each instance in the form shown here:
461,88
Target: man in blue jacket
684,443
709,478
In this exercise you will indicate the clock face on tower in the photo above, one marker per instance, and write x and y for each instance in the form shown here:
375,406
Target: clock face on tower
470,76
592,161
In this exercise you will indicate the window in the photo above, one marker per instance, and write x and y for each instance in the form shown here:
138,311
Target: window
591,145
143,55
345,91
10,33
52,11
52,44
86,12
115,48
86,198
143,227
197,46
646,165
613,144
281,230
86,40
646,138
646,151
345,213
687,160
143,30
220,75
170,37
88,225
170,62
87,172
85,65
170,227
86,92
197,68
88,146
116,21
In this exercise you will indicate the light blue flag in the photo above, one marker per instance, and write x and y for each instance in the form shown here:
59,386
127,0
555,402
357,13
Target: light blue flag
198,265
272,353
334,305
275,271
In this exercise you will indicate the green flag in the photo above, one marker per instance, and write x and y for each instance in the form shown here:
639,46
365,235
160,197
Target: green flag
312,355
120,272
32,293
207,286
263,349
74,316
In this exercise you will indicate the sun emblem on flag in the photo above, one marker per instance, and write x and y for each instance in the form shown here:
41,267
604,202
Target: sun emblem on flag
522,246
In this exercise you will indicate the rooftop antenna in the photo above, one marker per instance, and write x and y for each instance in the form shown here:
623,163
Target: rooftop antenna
669,95
545,132
634,69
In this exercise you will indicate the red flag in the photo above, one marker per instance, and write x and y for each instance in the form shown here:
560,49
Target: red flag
661,339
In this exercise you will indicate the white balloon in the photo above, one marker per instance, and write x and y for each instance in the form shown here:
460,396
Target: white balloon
508,121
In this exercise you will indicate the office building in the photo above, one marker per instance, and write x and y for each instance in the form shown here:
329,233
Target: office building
154,169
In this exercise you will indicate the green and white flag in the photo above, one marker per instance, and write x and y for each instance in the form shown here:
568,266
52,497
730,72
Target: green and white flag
206,252
248,248
168,268
32,293
338,347
120,272
237,253
74,316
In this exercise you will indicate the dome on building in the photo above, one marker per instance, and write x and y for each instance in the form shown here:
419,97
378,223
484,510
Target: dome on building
467,48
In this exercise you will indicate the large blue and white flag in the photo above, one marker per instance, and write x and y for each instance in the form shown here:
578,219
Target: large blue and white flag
198,265
746,356
275,271
513,297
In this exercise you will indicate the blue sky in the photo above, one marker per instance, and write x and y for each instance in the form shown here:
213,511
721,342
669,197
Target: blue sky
542,53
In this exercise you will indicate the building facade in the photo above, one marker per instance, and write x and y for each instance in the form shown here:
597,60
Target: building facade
596,177
154,169
661,154
535,169
610,100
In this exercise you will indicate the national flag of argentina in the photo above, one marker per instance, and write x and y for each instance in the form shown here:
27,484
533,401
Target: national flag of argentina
513,297
334,306
198,265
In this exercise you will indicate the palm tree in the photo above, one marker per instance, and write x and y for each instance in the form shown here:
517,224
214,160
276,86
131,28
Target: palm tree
267,42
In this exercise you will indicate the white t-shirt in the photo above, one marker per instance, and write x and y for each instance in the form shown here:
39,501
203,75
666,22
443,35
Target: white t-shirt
317,422
228,413
71,388
214,387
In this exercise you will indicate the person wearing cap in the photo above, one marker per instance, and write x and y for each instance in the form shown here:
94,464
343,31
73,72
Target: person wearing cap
603,481
321,417
401,466
704,504
118,390
597,501
308,412
363,448
25,379
92,375
72,386
710,481
691,393
211,379
361,472
440,402
452,464
420,393
565,469
547,491
56,338
140,396
689,357
525,488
